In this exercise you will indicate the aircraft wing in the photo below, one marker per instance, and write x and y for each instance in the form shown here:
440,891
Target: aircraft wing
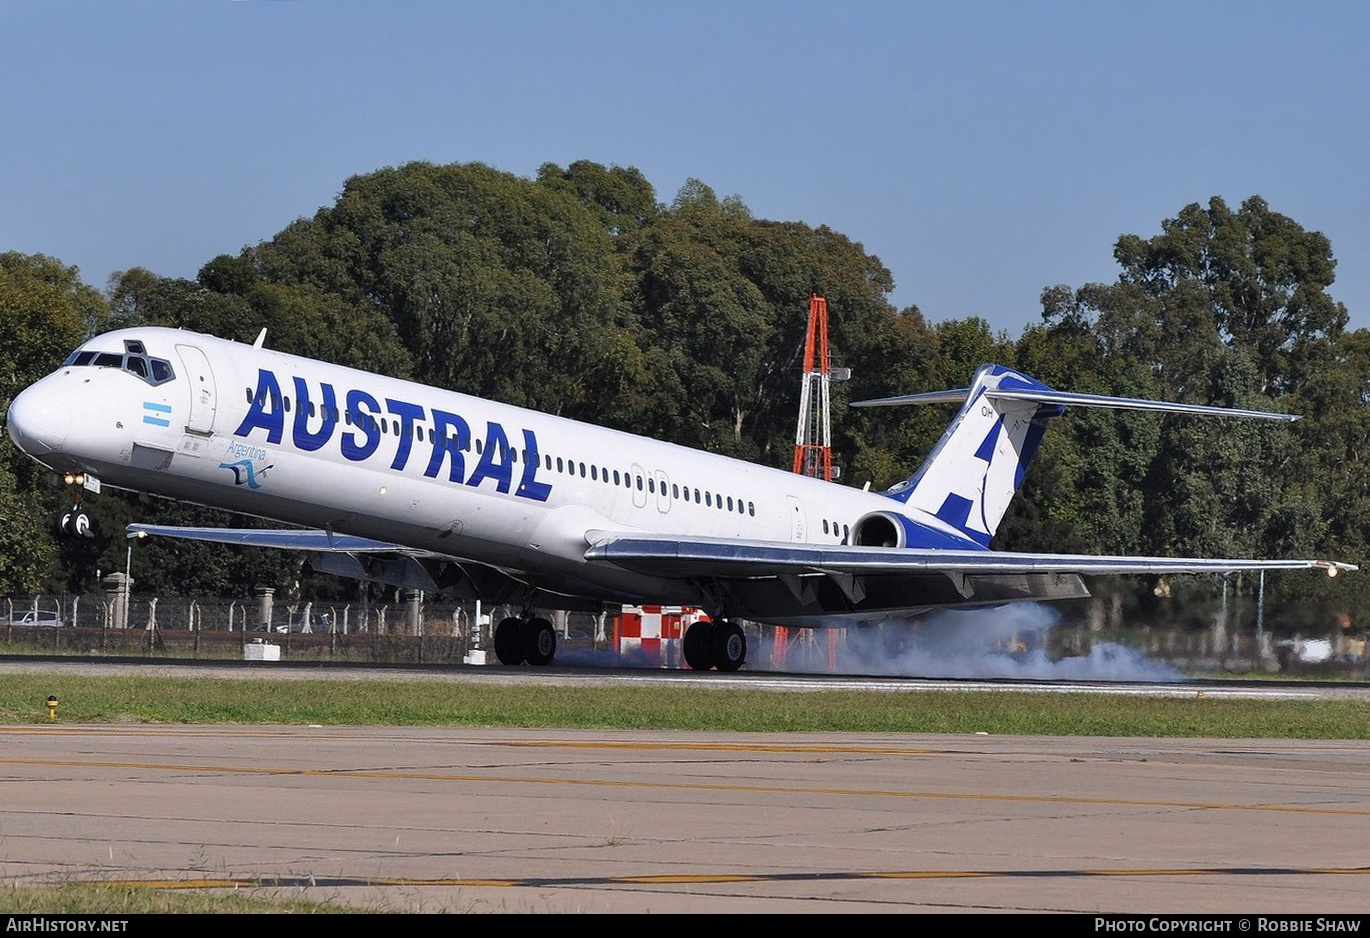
727,558
280,539
364,558
673,556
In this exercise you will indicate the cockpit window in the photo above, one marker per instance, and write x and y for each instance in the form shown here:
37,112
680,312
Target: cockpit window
135,360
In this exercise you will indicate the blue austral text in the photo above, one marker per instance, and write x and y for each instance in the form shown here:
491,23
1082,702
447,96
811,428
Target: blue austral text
314,427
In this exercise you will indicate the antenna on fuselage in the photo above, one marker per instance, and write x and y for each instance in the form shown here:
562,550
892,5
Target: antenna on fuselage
261,337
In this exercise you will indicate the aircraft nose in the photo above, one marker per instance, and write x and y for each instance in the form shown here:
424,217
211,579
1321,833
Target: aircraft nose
40,419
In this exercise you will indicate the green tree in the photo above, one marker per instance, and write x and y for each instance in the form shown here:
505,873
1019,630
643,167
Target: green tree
722,301
496,285
45,311
1264,280
1222,307
621,197
882,446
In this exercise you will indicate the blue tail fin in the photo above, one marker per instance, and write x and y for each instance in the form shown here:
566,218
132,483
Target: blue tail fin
972,473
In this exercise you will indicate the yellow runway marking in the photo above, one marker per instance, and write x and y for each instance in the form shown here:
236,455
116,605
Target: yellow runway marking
682,879
624,745
702,879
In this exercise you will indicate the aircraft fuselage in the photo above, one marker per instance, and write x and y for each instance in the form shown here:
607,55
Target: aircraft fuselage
310,443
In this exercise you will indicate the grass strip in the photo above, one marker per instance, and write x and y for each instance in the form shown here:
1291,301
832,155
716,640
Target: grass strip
113,900
454,703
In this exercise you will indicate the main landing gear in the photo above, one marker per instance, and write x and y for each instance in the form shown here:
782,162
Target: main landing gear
718,645
520,640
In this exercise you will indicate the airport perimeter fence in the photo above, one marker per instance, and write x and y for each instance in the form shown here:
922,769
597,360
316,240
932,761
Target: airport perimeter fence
419,630
412,631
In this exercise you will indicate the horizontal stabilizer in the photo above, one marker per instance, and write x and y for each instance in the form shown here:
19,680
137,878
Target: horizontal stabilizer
1065,398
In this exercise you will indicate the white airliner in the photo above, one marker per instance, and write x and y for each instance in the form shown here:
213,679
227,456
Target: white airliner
421,487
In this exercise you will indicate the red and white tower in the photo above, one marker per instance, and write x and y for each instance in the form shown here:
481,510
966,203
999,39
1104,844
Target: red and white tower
813,439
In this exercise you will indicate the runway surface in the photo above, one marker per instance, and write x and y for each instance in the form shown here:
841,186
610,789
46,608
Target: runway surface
500,820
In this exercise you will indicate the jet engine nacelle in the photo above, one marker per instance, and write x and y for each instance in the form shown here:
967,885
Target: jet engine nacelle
881,529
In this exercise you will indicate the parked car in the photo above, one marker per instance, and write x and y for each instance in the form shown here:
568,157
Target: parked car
319,622
47,618
316,622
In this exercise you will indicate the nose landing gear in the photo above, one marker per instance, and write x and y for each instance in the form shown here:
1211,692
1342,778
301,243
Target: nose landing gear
73,521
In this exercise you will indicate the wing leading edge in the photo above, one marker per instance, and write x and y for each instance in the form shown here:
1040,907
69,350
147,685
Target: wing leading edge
279,539
363,558
666,555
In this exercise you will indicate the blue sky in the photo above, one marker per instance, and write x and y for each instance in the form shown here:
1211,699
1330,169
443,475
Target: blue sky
983,150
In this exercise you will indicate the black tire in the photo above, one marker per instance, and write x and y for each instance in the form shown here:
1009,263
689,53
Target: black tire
538,642
698,646
729,646
80,524
508,647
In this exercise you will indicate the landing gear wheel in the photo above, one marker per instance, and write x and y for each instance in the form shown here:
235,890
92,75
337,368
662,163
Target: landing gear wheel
508,648
699,646
538,641
74,522
730,646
